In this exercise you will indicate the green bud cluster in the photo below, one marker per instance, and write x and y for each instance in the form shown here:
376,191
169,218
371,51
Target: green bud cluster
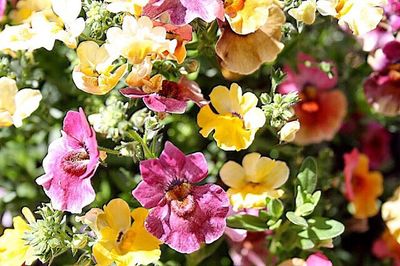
278,108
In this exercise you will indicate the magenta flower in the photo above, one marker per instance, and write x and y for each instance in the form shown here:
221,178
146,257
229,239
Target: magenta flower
375,143
318,259
184,11
70,163
3,5
382,88
184,215
172,98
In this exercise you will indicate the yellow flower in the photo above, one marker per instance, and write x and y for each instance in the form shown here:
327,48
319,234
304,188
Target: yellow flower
253,181
236,121
288,131
247,16
119,240
293,262
361,16
16,105
391,214
26,8
305,12
95,73
13,250
134,7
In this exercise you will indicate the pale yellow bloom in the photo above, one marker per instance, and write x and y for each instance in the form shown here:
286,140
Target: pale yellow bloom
13,250
391,214
16,105
95,73
26,8
305,12
253,181
361,16
247,16
294,262
119,240
134,7
140,74
138,39
288,131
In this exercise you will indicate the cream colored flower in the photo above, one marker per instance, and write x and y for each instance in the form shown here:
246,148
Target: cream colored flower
134,7
138,39
26,8
16,105
305,12
288,131
253,181
361,16
391,214
95,73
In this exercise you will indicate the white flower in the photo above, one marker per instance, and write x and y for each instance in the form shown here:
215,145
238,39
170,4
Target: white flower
138,39
288,131
68,11
16,105
134,7
305,12
361,16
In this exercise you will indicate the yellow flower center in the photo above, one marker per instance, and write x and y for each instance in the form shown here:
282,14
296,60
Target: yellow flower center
233,6
343,7
126,241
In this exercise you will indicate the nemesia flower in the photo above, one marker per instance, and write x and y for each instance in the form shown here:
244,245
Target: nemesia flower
382,86
305,12
138,39
392,12
24,10
13,249
391,215
386,246
375,39
247,16
69,165
321,110
161,95
236,120
362,186
16,105
318,259
293,262
288,131
375,143
134,7
244,54
95,73
68,11
183,215
184,11
252,251
352,13
120,240
3,6
253,181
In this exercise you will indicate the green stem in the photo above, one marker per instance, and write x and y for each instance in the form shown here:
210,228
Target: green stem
107,150
147,152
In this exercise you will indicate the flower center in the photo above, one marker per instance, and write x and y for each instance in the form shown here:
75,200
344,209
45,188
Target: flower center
343,7
182,203
169,89
125,241
309,99
233,6
75,162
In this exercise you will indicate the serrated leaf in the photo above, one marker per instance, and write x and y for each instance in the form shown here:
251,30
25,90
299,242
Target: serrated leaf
308,175
248,222
325,228
297,220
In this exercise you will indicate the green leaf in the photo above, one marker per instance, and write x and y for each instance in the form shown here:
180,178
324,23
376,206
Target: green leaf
297,220
300,198
308,175
275,207
274,224
325,228
306,243
305,209
248,222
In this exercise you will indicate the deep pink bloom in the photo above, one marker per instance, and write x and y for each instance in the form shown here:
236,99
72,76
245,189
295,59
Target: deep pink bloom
375,143
251,251
321,109
184,11
318,259
70,163
3,5
382,88
392,11
376,38
172,98
183,214
387,247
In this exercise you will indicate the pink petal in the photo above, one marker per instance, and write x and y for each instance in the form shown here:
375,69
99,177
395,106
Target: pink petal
133,93
318,259
350,163
3,5
195,168
148,195
159,103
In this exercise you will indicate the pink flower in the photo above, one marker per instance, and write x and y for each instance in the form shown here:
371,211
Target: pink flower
318,259
251,251
321,109
171,98
387,247
3,5
184,11
382,87
184,215
376,38
70,163
375,143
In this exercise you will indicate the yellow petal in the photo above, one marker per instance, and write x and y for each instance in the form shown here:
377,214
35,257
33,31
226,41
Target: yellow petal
8,90
233,175
27,101
118,214
220,99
